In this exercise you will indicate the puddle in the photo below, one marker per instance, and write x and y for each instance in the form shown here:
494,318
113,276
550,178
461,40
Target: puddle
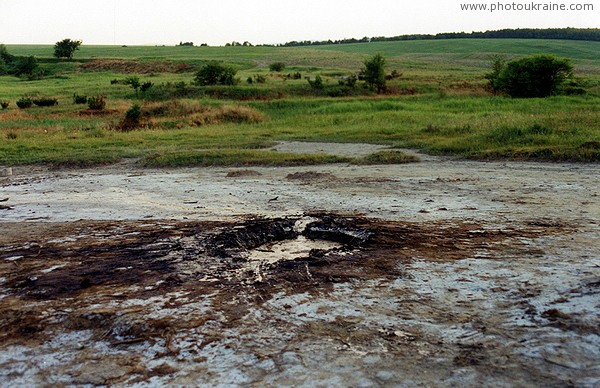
300,247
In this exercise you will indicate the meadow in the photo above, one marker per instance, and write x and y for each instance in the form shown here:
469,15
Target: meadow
439,104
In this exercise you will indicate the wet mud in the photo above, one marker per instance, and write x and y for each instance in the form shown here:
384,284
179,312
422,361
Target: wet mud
160,301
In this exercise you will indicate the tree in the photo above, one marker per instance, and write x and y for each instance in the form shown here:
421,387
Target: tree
374,72
66,48
497,63
534,76
215,73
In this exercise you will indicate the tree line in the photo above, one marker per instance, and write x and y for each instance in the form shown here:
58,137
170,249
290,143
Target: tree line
589,34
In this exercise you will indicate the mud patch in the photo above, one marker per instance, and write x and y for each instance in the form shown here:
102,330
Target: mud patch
166,302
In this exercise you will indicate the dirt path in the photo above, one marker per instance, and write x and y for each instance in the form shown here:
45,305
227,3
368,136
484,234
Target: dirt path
442,272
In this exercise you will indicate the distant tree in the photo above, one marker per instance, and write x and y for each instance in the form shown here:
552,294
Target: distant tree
66,48
534,76
374,72
215,73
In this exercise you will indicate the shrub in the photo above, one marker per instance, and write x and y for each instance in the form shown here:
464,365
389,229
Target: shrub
145,86
133,81
132,118
4,104
277,66
215,73
25,66
317,84
349,81
260,79
97,102
534,76
250,80
45,101
24,102
374,73
497,63
77,99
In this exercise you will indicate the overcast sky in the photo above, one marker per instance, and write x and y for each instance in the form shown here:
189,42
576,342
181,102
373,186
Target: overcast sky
261,21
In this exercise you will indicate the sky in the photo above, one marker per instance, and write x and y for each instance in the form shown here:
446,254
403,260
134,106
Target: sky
157,22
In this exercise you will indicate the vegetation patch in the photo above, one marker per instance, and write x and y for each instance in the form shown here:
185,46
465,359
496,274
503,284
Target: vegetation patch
176,114
135,67
237,157
387,157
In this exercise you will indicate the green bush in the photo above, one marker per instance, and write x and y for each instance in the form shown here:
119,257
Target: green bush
317,84
533,76
24,102
45,101
215,73
4,104
77,99
133,81
97,102
132,118
277,66
145,86
374,73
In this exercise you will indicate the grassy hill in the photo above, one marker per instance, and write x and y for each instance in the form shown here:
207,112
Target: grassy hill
439,105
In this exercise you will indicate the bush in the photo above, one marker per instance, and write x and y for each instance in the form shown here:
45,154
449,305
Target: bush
260,79
277,66
215,73
25,66
77,99
45,101
132,118
350,81
4,104
133,81
497,63
374,73
145,86
317,84
534,76
97,102
24,102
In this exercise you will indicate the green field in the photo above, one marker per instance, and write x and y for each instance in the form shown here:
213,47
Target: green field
439,105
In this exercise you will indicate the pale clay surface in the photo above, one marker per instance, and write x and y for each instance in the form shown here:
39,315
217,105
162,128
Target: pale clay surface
439,311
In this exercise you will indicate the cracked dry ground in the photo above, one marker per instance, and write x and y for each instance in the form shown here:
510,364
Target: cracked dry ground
385,302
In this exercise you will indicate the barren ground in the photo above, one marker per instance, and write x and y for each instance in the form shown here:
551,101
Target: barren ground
442,272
